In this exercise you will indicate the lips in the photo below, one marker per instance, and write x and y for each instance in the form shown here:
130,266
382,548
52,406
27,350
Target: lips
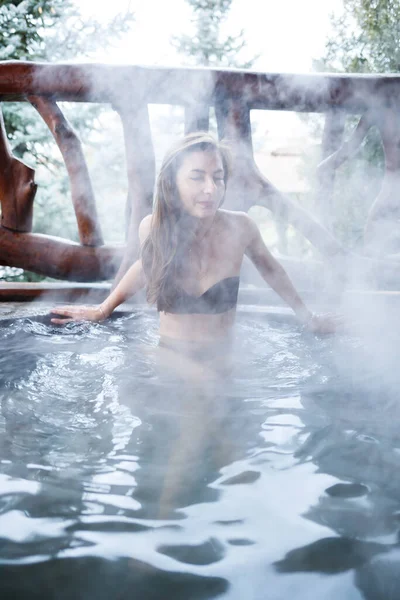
206,204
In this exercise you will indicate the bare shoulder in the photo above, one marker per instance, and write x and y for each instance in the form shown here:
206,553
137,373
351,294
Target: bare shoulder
240,222
145,228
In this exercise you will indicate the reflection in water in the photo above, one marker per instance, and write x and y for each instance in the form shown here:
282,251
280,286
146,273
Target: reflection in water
330,555
117,477
104,579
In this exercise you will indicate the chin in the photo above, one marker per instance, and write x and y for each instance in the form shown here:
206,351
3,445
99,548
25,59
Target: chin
201,212
206,212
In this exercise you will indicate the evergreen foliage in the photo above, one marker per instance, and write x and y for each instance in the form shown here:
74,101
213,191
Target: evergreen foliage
208,46
366,38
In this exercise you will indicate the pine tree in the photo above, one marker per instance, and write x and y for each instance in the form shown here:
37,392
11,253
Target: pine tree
366,38
208,47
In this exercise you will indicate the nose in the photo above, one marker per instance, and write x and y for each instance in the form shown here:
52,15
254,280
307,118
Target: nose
209,185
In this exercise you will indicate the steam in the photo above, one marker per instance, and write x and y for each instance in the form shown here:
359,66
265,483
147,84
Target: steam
170,422
192,92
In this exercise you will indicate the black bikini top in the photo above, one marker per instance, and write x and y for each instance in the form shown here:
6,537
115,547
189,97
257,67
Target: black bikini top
219,298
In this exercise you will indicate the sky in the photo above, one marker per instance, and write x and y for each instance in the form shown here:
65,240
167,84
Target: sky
287,34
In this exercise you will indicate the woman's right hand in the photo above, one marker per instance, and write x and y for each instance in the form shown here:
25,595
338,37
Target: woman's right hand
77,313
324,323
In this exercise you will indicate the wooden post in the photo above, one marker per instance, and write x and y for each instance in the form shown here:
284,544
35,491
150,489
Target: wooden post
141,174
17,187
331,141
382,231
350,147
197,118
81,188
59,258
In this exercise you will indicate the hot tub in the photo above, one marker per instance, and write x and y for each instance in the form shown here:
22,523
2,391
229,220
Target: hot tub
278,481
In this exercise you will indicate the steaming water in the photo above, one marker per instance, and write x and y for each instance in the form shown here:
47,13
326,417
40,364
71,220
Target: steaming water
117,482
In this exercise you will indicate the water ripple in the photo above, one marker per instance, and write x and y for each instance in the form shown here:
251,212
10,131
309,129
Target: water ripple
101,458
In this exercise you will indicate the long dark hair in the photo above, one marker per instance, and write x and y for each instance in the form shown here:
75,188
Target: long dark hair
164,253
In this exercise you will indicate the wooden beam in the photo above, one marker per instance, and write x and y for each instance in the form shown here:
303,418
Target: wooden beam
197,118
108,83
331,141
350,147
81,187
52,292
141,174
58,258
381,234
17,187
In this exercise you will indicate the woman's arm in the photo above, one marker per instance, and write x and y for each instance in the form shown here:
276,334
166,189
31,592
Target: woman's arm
275,275
133,281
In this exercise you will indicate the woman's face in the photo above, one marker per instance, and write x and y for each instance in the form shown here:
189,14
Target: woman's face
200,183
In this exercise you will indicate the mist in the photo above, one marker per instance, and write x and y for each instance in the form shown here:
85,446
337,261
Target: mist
138,469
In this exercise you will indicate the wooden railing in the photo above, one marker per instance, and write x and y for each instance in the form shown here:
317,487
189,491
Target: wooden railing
233,94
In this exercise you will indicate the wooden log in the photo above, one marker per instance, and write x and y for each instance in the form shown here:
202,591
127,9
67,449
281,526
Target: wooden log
51,292
58,258
249,186
17,187
350,147
141,174
382,230
331,142
381,233
197,118
81,187
106,83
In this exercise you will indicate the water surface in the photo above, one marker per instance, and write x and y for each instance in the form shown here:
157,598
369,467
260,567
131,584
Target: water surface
118,481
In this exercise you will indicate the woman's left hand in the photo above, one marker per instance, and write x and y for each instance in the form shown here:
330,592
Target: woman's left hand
324,323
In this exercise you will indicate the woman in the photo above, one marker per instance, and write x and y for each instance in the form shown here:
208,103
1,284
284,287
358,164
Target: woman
191,255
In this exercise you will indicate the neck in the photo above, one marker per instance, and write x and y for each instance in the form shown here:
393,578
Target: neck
194,230
203,226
